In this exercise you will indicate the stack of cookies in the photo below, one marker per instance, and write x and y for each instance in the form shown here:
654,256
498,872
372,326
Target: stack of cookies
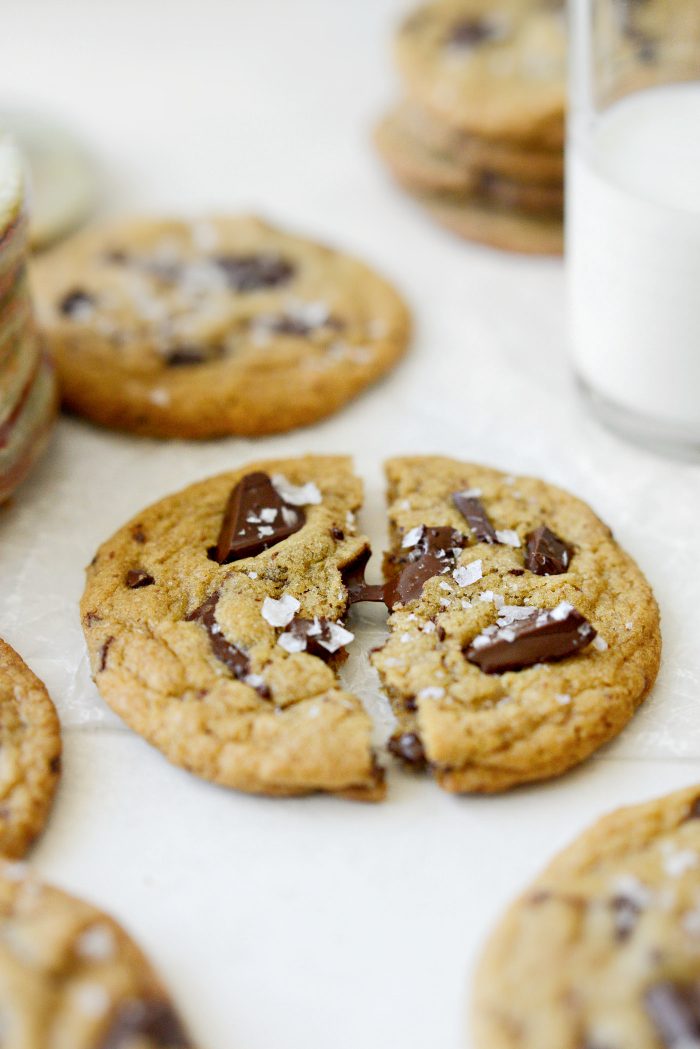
27,383
479,137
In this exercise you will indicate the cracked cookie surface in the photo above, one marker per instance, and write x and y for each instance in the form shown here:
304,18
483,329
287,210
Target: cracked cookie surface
217,326
30,749
227,666
509,659
70,976
603,950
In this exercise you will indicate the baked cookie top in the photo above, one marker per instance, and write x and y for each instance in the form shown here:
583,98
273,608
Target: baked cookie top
30,743
496,70
603,950
214,621
522,636
70,976
217,326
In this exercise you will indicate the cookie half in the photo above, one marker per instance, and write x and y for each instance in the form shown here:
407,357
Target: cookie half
603,949
224,326
522,637
30,750
70,976
215,623
495,70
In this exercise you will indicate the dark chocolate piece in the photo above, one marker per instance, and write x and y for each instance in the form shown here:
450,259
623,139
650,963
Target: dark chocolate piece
138,534
148,1020
338,534
674,1010
313,632
74,301
546,553
354,580
182,356
472,510
138,577
542,637
253,272
104,652
469,32
626,913
407,747
245,529
229,654
435,553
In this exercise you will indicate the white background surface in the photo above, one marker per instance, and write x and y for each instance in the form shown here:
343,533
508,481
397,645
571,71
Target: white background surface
314,923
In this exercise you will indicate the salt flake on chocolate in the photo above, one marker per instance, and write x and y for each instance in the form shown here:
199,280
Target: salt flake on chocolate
296,494
411,538
465,575
336,637
280,613
291,643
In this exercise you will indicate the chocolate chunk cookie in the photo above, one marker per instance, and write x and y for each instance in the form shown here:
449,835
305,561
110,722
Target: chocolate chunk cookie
213,327
30,743
215,621
603,950
70,976
495,70
522,636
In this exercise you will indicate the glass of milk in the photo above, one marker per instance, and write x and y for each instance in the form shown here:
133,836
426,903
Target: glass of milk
633,216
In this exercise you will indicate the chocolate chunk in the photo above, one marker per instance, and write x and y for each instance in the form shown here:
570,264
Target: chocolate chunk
407,747
253,272
256,518
338,534
440,632
353,575
55,764
626,913
181,356
229,654
138,534
317,635
146,1020
472,510
546,553
75,302
138,577
469,32
435,552
674,1010
542,637
104,652
694,810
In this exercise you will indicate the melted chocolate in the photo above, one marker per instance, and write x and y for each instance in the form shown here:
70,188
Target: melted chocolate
436,552
244,531
353,575
543,637
227,653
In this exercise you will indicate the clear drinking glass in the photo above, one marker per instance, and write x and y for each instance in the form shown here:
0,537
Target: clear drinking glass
633,216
